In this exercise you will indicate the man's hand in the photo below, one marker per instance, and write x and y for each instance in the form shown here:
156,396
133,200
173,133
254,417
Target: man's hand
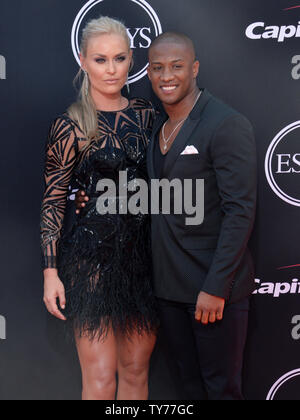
80,200
209,308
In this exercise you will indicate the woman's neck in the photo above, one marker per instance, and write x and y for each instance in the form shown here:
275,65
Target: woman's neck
109,102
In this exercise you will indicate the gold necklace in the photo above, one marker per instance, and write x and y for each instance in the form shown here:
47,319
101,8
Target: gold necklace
166,141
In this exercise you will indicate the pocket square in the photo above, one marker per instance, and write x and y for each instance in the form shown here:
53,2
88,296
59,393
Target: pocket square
190,150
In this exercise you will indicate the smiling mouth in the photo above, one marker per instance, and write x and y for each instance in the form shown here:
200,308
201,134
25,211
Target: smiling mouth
168,89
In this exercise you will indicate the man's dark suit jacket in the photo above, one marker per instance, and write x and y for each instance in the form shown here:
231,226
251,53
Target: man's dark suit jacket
212,257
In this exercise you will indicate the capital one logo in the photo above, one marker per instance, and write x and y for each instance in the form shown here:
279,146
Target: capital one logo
141,20
278,289
259,30
264,31
282,164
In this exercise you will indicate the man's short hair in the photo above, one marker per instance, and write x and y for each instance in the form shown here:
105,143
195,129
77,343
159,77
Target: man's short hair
174,37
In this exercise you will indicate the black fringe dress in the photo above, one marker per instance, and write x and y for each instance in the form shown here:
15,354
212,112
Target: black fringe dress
104,261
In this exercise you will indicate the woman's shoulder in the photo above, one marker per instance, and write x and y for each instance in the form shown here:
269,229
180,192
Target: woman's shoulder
65,120
61,127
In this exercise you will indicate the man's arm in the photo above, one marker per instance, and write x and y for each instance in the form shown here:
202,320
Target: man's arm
233,152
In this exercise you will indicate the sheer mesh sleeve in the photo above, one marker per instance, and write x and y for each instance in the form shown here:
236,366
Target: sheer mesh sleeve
61,155
147,113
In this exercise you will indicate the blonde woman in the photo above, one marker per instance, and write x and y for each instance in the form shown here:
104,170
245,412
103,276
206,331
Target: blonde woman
97,275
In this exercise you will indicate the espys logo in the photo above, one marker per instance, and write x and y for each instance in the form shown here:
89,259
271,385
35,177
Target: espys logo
142,22
2,68
260,30
282,164
287,385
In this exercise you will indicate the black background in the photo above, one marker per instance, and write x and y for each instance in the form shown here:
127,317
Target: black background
253,76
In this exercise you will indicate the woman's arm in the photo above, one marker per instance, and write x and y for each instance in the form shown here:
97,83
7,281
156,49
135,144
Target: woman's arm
61,153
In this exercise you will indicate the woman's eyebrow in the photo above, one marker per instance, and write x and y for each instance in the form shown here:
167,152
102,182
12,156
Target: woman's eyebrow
104,56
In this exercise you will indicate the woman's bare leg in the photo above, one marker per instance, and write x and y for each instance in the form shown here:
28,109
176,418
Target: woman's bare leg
98,360
133,365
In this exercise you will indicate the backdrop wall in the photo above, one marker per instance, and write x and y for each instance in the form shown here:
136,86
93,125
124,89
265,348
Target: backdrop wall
250,54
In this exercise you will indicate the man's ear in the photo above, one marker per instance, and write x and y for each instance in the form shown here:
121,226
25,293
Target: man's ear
149,72
196,68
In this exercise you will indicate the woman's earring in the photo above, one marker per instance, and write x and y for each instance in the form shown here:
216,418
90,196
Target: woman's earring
128,88
86,81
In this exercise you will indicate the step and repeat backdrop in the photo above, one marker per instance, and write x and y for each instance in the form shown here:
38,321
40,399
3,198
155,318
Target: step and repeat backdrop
250,57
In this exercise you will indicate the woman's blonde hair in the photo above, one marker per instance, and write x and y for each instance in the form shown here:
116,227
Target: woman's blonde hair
84,110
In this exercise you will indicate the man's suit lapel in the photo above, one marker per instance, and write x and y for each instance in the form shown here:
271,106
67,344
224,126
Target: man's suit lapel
181,140
179,145
186,132
159,121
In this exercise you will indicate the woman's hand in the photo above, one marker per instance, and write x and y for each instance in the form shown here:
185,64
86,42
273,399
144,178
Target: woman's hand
53,290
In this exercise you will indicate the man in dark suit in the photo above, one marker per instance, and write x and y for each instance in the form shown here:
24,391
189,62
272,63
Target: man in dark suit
203,274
